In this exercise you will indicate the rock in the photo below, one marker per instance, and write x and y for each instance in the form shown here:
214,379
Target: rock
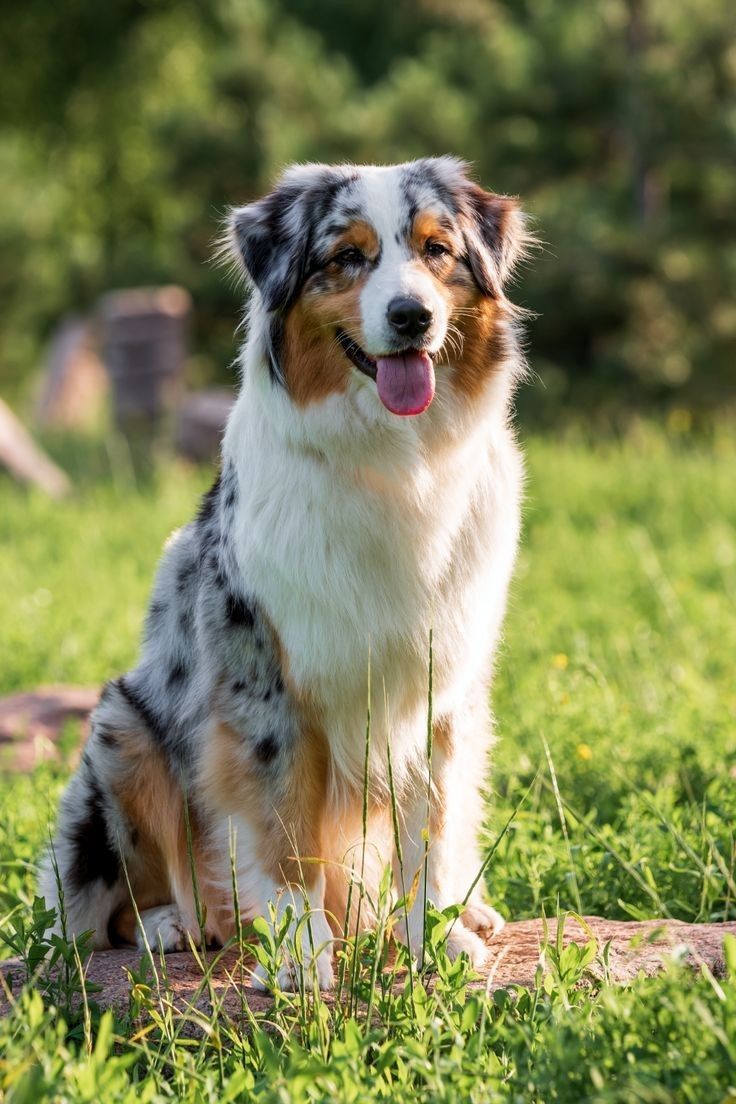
514,958
74,383
31,723
634,947
201,422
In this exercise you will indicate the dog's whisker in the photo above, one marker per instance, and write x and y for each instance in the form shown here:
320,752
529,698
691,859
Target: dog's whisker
346,321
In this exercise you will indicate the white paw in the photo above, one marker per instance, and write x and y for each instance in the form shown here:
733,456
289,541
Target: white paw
306,949
480,917
462,941
288,976
460,937
163,926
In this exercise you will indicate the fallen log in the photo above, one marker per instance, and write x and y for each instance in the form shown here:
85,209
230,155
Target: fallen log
201,421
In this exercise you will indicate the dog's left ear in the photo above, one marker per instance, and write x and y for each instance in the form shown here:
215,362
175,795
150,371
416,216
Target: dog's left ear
495,235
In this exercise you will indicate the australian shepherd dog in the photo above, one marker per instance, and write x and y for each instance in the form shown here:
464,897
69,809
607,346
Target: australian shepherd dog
368,497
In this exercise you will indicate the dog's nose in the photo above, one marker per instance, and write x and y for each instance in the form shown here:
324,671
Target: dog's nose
409,317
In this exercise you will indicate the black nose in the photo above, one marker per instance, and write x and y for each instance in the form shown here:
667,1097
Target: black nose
409,317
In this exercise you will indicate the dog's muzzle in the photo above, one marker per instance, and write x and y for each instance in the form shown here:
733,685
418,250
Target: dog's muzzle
404,381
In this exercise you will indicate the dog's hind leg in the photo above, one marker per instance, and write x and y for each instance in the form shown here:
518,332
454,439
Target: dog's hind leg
121,836
82,875
162,927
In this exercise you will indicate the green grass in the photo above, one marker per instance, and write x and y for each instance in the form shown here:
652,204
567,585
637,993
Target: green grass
615,678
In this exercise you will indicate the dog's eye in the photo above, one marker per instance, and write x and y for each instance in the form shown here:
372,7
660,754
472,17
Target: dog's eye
435,249
350,255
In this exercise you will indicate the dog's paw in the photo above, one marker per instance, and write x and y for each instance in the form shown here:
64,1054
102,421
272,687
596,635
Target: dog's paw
462,941
480,917
163,927
310,936
288,976
459,939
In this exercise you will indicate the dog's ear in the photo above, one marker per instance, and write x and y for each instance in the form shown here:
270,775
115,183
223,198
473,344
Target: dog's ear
272,238
496,237
271,242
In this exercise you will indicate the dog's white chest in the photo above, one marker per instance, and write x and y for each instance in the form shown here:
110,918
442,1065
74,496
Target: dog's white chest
355,575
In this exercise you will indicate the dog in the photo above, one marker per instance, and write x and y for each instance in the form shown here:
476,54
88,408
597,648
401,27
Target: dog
368,502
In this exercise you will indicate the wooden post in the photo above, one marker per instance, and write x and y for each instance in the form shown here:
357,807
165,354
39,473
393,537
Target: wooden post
144,341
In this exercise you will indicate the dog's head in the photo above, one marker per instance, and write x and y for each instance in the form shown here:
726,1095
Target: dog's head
372,276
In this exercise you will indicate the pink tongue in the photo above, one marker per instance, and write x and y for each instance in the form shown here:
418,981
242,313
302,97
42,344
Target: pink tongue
405,383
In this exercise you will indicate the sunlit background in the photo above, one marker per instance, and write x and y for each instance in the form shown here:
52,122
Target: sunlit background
128,127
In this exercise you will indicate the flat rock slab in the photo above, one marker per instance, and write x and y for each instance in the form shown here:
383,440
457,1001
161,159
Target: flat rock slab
30,724
633,948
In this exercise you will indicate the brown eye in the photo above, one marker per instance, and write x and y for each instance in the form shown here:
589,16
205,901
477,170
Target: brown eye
351,255
436,249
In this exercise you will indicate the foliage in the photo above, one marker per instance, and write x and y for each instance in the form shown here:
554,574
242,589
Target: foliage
560,1042
127,128
616,709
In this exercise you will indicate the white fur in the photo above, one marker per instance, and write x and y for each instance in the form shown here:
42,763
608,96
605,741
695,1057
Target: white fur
309,937
164,927
397,274
348,530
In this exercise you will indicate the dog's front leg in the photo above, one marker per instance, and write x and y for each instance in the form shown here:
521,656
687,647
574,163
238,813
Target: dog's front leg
439,858
276,804
289,849
307,945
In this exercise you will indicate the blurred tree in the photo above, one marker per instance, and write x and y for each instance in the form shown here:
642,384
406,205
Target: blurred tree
126,129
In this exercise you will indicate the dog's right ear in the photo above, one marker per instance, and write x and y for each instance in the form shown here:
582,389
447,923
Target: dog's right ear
269,242
272,237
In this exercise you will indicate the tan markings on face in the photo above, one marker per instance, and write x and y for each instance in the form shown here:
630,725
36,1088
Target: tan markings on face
477,319
429,227
360,234
314,364
475,343
471,316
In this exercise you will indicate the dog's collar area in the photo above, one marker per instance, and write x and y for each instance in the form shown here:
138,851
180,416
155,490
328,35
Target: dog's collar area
355,354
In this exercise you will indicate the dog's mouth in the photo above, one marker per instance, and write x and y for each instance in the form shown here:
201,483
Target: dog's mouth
404,381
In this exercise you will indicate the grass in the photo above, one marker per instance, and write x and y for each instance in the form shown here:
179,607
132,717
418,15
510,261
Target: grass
616,707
